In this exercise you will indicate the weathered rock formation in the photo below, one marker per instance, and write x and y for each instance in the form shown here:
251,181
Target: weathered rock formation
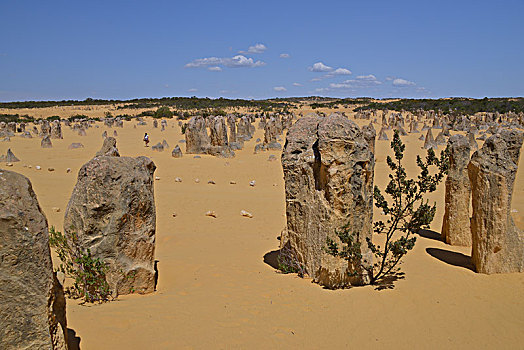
75,145
32,303
244,129
197,139
382,134
370,135
455,226
429,142
328,171
56,130
199,142
177,152
497,244
112,210
46,142
109,148
10,157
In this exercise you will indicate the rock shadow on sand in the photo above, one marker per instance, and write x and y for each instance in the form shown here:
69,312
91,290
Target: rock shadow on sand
451,258
73,341
430,235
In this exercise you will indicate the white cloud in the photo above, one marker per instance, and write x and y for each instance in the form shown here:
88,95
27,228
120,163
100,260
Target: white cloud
214,69
369,77
297,84
257,48
192,90
341,71
279,88
237,61
331,72
360,82
284,55
402,82
320,67
340,86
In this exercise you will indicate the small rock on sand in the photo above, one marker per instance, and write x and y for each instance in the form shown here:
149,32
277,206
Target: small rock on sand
252,183
246,214
177,179
211,182
211,213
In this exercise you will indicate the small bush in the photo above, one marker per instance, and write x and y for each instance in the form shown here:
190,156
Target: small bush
163,112
288,263
407,214
88,273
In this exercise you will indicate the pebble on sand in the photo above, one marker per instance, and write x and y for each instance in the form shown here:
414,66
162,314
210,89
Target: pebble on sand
211,213
246,214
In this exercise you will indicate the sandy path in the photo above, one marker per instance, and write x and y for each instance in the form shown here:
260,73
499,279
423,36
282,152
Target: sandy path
215,291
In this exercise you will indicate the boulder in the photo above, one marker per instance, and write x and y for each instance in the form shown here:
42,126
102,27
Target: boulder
497,244
75,145
112,211
472,142
244,129
56,130
46,142
32,303
429,142
10,157
382,134
197,139
218,132
177,152
158,147
456,225
328,171
108,148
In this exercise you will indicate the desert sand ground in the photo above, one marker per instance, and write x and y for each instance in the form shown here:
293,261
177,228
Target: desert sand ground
216,288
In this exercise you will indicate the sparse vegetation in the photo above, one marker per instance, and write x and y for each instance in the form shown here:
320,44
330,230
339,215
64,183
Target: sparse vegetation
287,262
163,112
88,273
407,214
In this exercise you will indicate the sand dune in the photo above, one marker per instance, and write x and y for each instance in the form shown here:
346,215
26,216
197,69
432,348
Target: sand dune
216,286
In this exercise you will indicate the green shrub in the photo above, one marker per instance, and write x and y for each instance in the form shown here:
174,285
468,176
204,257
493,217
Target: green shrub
163,112
88,273
407,214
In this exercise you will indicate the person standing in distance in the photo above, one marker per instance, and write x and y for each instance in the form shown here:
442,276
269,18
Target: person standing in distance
146,139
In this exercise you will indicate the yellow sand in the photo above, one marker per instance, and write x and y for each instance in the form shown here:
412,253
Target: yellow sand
216,291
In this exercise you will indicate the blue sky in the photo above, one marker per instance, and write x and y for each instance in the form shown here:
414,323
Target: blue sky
59,49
